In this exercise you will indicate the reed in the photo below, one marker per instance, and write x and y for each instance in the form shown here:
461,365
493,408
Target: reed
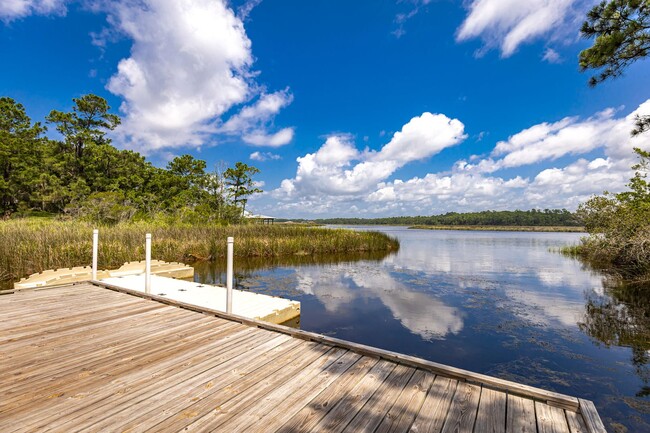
33,245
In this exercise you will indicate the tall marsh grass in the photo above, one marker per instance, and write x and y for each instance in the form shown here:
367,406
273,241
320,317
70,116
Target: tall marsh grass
34,245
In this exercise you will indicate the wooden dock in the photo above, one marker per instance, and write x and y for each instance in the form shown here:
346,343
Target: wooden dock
87,358
252,305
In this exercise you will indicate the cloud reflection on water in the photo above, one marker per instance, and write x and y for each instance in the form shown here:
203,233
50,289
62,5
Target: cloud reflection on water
339,285
533,283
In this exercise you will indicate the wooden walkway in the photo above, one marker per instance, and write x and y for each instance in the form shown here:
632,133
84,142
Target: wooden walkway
88,358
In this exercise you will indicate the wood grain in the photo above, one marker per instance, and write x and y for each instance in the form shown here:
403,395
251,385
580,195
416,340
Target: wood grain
87,358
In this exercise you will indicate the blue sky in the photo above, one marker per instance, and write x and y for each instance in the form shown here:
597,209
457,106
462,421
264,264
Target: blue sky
349,108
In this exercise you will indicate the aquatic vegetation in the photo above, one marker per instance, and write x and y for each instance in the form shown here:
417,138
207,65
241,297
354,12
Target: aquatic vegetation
619,227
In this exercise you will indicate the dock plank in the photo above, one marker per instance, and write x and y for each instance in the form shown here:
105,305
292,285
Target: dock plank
521,415
95,334
270,412
145,383
550,419
140,410
400,417
591,418
377,407
491,417
350,405
105,355
436,405
576,423
316,409
242,402
94,358
464,406
90,371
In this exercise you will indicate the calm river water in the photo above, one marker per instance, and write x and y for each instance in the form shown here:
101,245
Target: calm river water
499,303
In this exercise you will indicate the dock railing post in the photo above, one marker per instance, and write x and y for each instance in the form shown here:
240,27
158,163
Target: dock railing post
229,277
95,247
147,264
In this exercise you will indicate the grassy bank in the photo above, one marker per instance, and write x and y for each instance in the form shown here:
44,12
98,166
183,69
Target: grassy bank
504,228
33,245
625,261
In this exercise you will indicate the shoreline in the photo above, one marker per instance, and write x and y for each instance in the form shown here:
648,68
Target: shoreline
541,229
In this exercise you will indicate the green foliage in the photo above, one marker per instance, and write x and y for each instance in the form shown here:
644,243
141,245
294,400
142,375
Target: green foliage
241,184
619,225
21,150
86,126
534,217
103,208
621,29
84,176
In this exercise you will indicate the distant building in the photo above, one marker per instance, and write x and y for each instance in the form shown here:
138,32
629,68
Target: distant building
259,219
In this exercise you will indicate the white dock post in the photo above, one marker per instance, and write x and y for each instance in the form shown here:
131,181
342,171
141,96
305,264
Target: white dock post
147,264
95,247
231,241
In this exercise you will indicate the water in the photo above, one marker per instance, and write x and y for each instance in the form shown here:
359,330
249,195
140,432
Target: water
499,303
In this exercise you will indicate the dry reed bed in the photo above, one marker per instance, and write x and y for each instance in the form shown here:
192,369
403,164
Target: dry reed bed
28,246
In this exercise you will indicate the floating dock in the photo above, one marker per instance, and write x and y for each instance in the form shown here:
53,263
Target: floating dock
247,304
84,273
90,357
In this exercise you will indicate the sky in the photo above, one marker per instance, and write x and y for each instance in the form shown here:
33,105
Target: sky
364,108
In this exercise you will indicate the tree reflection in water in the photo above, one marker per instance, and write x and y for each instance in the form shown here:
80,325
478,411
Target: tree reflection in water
621,317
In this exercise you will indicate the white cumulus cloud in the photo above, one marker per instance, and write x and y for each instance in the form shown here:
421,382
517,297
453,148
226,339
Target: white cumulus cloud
252,121
189,67
260,137
339,179
507,24
338,168
569,136
263,156
15,9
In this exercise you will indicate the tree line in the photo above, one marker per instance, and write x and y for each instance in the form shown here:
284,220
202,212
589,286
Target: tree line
534,217
84,175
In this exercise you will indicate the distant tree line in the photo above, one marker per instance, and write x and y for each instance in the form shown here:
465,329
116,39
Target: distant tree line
83,175
534,217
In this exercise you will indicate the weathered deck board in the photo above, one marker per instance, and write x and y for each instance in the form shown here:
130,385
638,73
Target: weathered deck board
143,385
491,417
108,356
591,418
317,408
550,419
406,407
374,411
434,411
84,358
351,403
464,406
521,415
